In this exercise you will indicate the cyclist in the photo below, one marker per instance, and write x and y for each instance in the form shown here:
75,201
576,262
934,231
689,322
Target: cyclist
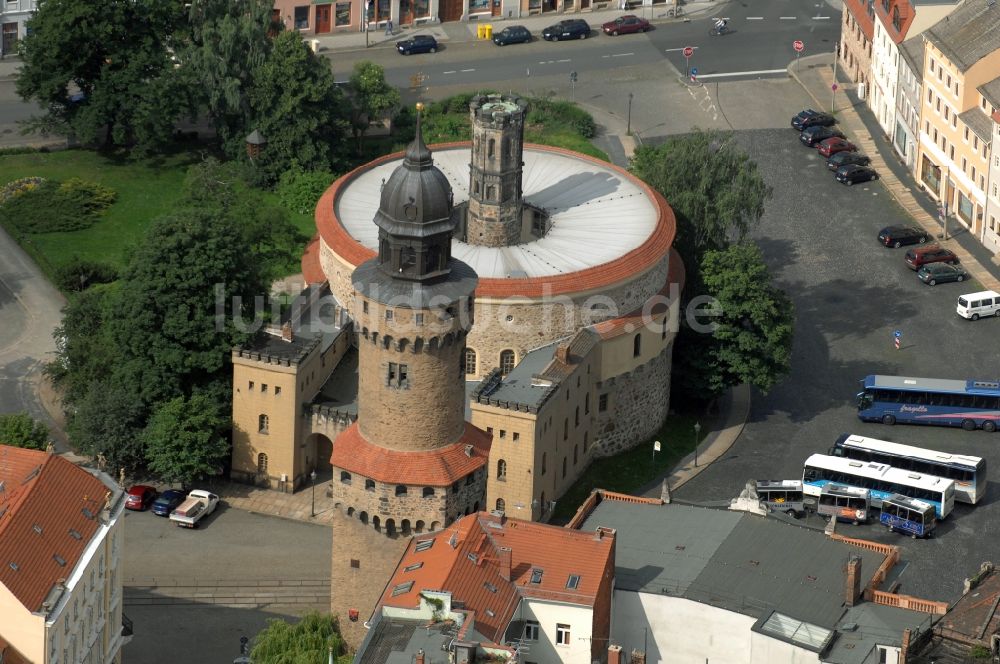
720,25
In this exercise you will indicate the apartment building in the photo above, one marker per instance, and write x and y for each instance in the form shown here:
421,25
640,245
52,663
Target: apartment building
961,55
990,236
855,48
909,85
14,14
61,536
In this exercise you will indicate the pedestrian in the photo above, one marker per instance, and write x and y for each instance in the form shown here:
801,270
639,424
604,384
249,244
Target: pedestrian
388,28
623,4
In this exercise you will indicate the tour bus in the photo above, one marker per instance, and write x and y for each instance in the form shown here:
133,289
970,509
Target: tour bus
880,479
782,495
970,404
908,515
846,503
969,472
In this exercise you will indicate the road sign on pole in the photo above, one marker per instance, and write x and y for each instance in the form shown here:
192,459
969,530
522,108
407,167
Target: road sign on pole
688,52
896,338
798,46
694,74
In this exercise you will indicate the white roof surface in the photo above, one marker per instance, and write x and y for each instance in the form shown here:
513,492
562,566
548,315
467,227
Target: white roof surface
596,214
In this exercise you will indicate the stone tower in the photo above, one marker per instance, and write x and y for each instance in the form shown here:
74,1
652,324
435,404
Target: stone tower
495,211
411,464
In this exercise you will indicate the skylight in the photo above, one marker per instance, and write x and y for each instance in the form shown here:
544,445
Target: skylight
423,545
414,566
489,586
59,560
573,582
74,534
402,588
536,576
801,633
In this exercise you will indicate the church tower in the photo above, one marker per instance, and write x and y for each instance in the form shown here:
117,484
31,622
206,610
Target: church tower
410,464
495,212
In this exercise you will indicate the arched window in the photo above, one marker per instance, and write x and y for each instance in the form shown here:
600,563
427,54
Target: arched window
400,489
419,526
637,345
470,361
363,517
404,526
566,428
262,423
564,467
369,485
428,492
377,523
491,149
345,477
576,418
501,470
262,464
491,192
506,361
543,463
586,404
501,505
390,527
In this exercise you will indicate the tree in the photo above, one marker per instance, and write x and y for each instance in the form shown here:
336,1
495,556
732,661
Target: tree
306,642
116,55
752,339
20,430
84,351
297,107
185,439
108,421
715,190
371,98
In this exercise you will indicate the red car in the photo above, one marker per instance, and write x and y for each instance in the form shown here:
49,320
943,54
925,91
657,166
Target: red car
140,497
624,25
931,253
832,146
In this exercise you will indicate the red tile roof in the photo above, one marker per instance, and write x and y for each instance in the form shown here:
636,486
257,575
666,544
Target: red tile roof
859,10
478,564
628,266
440,467
639,318
41,508
906,15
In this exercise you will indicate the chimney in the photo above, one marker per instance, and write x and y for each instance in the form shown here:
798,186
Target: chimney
420,657
468,450
614,654
286,331
904,649
853,581
665,492
504,561
638,657
562,353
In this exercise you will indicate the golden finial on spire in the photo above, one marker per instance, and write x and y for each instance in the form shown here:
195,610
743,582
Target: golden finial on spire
420,107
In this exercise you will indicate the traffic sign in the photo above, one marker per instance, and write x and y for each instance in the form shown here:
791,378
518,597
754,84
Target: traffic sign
834,87
897,334
798,45
688,51
694,71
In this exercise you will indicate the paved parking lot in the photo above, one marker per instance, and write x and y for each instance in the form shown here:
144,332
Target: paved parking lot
191,594
850,293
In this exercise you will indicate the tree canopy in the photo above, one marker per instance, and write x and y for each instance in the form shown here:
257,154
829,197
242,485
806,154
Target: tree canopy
185,439
372,98
305,642
21,430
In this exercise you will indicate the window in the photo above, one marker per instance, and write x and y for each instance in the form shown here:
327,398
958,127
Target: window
506,362
566,428
302,18
263,388
364,306
586,404
250,386
345,477
502,470
262,464
562,634
531,630
564,467
400,489
369,485
576,417
602,403
573,582
342,14
501,505
517,436
393,372
503,434
949,80
491,149
277,390
637,346
543,463
404,376
388,314
262,422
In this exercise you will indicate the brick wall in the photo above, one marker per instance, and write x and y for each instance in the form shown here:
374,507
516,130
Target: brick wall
637,405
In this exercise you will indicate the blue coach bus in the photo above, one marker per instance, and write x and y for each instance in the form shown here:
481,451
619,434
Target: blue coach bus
970,404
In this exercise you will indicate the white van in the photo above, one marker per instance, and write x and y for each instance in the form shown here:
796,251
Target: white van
977,305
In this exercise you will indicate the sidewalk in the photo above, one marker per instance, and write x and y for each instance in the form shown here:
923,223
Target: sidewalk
815,75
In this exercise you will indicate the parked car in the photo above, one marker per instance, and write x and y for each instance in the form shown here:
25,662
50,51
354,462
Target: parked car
573,28
801,115
897,236
512,34
624,25
167,501
852,173
932,253
933,274
832,146
813,120
195,507
417,44
813,135
140,497
844,158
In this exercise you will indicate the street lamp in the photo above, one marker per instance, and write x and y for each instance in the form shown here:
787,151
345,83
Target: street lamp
697,430
628,131
312,477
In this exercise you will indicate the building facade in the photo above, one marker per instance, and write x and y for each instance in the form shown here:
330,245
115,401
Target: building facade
61,536
855,49
960,55
14,15
991,228
909,87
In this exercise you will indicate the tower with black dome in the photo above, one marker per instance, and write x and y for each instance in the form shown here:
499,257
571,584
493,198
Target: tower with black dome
410,464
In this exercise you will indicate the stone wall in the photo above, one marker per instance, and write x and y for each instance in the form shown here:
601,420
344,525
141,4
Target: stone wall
641,399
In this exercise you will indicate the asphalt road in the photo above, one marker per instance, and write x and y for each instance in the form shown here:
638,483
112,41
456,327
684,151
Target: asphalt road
850,293
234,553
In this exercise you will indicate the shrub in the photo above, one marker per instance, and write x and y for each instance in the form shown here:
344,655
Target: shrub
18,187
35,205
88,196
298,191
79,274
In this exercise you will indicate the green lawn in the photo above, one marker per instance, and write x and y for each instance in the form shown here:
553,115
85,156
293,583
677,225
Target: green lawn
631,470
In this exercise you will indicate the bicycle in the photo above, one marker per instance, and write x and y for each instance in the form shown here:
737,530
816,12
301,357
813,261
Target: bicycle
716,31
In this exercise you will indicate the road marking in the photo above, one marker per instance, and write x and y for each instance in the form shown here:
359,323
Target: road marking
449,72
755,18
820,18
787,18
564,60
621,55
744,73
467,70
671,50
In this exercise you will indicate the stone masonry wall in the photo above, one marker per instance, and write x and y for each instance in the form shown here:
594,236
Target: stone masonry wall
638,405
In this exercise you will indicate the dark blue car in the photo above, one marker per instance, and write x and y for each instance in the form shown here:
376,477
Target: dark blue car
417,44
168,501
